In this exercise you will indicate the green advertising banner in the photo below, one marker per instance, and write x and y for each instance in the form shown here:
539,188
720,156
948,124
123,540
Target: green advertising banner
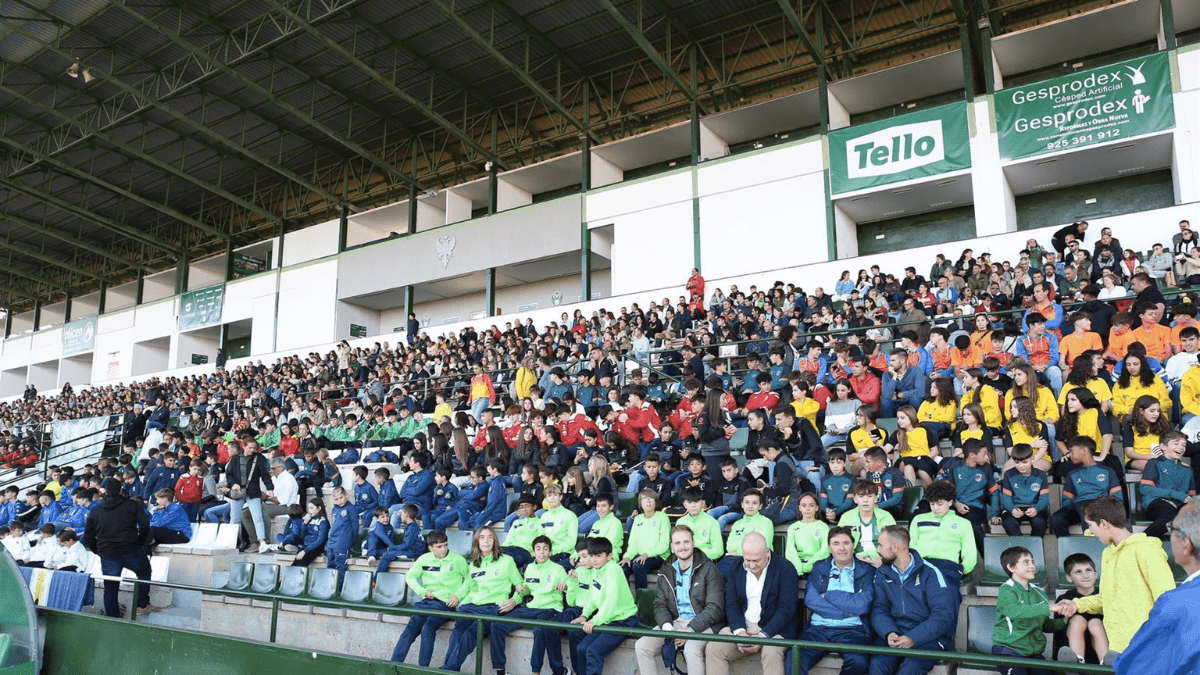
1104,104
79,336
923,143
201,307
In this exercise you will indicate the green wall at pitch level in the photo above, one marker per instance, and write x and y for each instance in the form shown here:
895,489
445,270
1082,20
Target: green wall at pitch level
236,349
919,230
79,644
1128,194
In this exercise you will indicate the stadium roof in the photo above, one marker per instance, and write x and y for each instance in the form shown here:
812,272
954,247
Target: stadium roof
135,134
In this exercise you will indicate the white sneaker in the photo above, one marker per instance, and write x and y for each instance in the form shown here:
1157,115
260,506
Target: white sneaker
264,547
371,560
290,548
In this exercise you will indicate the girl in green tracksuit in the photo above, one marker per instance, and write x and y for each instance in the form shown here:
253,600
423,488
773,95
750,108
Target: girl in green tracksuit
649,540
490,588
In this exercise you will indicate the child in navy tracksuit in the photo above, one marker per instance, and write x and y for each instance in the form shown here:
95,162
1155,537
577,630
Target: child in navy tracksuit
470,501
365,495
75,516
169,523
292,537
163,476
445,494
343,530
315,531
385,488
419,488
411,547
497,498
379,537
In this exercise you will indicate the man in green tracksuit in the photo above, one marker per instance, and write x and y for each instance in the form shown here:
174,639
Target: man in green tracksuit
547,642
611,604
1022,611
608,525
944,538
269,438
706,531
434,578
561,525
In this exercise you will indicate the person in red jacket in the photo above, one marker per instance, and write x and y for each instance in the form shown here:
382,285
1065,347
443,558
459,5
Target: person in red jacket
866,386
641,418
572,424
695,285
189,489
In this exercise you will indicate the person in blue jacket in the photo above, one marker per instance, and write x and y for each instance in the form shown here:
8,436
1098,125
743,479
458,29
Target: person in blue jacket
913,607
169,522
8,508
497,497
419,489
68,485
365,495
385,489
343,532
470,501
50,509
411,547
839,594
132,486
379,536
292,537
75,516
164,476
445,493
316,531
1169,642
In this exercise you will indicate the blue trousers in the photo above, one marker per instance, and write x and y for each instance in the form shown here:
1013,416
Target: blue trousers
337,560
386,558
595,647
852,663
138,563
462,640
519,555
895,665
1000,650
547,642
640,571
426,627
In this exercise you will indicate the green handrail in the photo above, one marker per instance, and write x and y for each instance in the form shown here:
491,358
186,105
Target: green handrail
962,658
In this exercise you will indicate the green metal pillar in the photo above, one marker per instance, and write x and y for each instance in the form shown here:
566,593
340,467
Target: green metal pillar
37,315
67,308
831,247
489,291
229,261
1168,24
493,187
103,298
695,128
141,287
343,228
985,56
181,274
964,40
412,210
409,307
585,233
7,323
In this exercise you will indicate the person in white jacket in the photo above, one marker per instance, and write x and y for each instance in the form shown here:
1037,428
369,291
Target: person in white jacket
69,555
16,543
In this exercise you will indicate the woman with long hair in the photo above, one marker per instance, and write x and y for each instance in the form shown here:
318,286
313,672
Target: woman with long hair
1024,427
1144,428
1025,383
488,590
839,414
1137,380
914,446
939,410
971,426
1085,374
712,431
864,436
1082,416
577,496
496,447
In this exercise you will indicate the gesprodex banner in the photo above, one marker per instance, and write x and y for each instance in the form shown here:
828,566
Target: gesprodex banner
1122,100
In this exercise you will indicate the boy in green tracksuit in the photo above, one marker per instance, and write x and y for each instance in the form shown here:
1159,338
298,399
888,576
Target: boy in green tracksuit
560,524
608,525
866,522
489,589
547,642
269,438
944,538
518,543
435,578
611,604
706,531
752,521
1022,610
538,592
649,540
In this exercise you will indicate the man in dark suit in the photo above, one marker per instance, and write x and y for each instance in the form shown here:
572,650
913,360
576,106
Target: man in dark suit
760,601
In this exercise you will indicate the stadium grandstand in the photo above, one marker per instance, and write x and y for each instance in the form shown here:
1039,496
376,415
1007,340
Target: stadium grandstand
840,335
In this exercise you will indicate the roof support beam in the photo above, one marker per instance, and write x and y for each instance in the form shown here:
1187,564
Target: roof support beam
147,158
234,47
390,85
268,95
74,209
789,13
87,177
640,39
12,271
24,249
519,72
62,236
14,292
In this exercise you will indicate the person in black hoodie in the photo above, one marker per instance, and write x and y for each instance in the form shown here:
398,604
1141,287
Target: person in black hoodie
117,531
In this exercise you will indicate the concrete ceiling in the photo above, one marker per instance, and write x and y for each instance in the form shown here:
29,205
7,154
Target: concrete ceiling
905,199
1102,162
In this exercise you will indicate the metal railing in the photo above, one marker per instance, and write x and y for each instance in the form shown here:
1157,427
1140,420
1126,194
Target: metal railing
977,660
46,453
